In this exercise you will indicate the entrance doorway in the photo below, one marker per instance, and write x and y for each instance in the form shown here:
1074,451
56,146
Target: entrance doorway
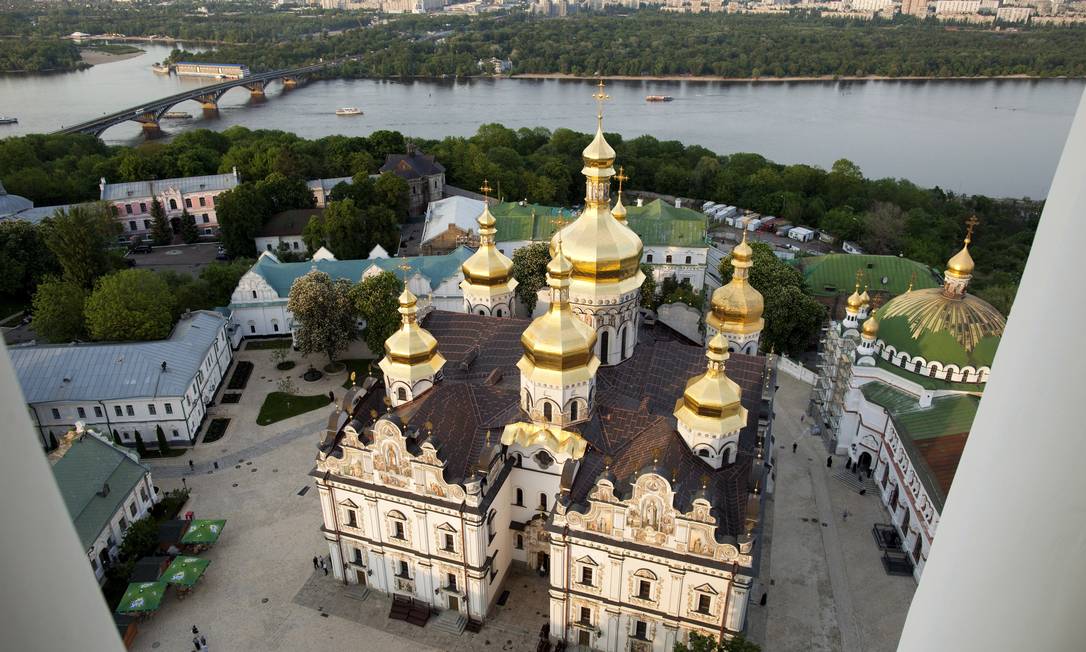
454,603
175,224
864,463
361,575
584,638
543,562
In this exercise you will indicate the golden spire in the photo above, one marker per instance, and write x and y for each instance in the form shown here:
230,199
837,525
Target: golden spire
619,211
960,266
737,307
711,401
599,153
865,298
600,96
912,282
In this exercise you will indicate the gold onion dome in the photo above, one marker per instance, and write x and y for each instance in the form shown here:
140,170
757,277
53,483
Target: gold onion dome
865,298
961,264
711,401
487,266
855,300
558,347
411,352
619,211
737,307
871,327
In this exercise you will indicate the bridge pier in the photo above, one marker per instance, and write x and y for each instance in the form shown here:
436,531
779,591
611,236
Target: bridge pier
256,87
290,82
209,101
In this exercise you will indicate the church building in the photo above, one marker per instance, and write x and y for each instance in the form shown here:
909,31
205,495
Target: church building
624,468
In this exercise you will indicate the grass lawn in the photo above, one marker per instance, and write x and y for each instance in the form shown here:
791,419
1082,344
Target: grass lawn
260,345
359,367
278,406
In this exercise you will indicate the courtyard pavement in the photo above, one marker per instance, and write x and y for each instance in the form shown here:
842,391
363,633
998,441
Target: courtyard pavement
825,586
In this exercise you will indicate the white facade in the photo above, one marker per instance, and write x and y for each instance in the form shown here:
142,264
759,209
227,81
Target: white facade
680,263
178,406
270,243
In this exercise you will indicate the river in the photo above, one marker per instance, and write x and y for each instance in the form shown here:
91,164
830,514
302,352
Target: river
1000,138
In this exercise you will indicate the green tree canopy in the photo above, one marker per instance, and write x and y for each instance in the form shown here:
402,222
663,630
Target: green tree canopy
345,231
648,288
391,191
313,234
58,310
24,259
375,300
324,314
530,270
241,212
189,233
161,233
701,643
79,238
131,305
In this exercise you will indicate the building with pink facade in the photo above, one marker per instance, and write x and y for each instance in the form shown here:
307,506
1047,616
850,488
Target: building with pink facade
131,201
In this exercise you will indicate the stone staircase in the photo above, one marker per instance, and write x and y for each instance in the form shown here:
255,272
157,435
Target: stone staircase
849,478
356,592
450,621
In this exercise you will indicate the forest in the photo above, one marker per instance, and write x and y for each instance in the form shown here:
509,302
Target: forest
38,55
886,216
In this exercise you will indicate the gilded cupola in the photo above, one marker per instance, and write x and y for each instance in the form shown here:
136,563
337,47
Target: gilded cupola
605,253
737,307
619,211
558,347
870,328
488,274
412,362
961,264
710,413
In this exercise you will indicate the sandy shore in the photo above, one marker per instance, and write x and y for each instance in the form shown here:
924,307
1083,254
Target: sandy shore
95,57
714,78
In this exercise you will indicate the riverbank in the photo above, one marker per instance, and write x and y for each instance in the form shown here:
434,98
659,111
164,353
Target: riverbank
94,57
790,80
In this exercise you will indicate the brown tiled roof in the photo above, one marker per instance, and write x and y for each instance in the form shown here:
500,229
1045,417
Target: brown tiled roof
631,425
290,222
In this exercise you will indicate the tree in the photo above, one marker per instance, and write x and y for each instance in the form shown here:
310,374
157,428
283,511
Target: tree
58,310
792,320
284,193
161,233
345,231
241,212
648,288
768,272
222,279
530,270
375,300
134,304
324,313
382,228
189,233
163,445
24,259
391,191
313,234
79,238
140,447
843,223
672,291
701,643
140,539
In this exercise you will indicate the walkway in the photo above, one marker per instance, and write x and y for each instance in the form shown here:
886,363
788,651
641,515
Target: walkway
826,586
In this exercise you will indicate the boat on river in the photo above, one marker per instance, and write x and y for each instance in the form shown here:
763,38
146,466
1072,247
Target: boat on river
177,115
160,68
658,98
349,110
6,120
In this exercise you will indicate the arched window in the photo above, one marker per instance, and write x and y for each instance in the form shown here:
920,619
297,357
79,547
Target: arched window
275,325
520,497
688,260
173,204
499,312
482,312
605,343
543,501
704,452
401,394
573,411
547,411
905,523
622,343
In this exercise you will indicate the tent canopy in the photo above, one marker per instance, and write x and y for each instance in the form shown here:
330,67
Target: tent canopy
203,531
141,597
184,571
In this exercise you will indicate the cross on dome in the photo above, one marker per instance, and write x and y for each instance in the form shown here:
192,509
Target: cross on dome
600,96
485,189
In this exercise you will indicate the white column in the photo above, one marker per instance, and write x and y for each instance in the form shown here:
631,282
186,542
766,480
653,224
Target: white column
1031,412
737,603
336,559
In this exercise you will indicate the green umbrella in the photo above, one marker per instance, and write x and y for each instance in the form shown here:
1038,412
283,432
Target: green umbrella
184,571
203,531
141,596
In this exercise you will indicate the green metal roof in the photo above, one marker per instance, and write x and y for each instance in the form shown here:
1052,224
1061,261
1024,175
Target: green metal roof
946,416
658,223
940,345
82,475
835,274
523,221
436,269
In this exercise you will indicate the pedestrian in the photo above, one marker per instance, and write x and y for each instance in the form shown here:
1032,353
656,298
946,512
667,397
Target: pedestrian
184,484
829,461
762,602
195,632
192,467
331,396
844,515
802,417
794,444
324,567
316,563
203,642
196,644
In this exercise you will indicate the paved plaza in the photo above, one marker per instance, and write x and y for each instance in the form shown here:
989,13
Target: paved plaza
825,586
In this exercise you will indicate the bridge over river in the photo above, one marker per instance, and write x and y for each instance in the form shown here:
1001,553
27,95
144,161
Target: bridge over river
150,113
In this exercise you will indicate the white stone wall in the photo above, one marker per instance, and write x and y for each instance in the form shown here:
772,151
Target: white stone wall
271,243
678,267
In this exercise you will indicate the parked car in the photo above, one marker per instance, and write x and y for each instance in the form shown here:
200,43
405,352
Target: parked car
221,254
141,247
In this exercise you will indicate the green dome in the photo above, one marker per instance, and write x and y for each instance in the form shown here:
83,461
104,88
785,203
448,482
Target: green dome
927,323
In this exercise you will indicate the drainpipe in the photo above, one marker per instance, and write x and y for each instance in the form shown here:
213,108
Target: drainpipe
37,419
464,559
335,522
105,412
569,553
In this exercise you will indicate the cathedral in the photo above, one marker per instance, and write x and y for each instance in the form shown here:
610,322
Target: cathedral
897,392
624,467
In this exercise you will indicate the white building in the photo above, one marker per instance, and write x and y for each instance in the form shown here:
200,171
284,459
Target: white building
105,489
637,505
131,201
897,393
258,306
285,229
128,387
322,188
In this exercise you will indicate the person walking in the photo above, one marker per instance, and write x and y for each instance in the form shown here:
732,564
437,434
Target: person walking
192,467
195,632
794,444
203,642
829,461
324,567
196,643
316,563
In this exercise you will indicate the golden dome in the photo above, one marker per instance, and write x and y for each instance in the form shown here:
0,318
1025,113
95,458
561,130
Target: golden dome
411,352
599,152
871,327
488,267
737,307
952,329
711,401
855,300
558,347
619,211
865,298
960,265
